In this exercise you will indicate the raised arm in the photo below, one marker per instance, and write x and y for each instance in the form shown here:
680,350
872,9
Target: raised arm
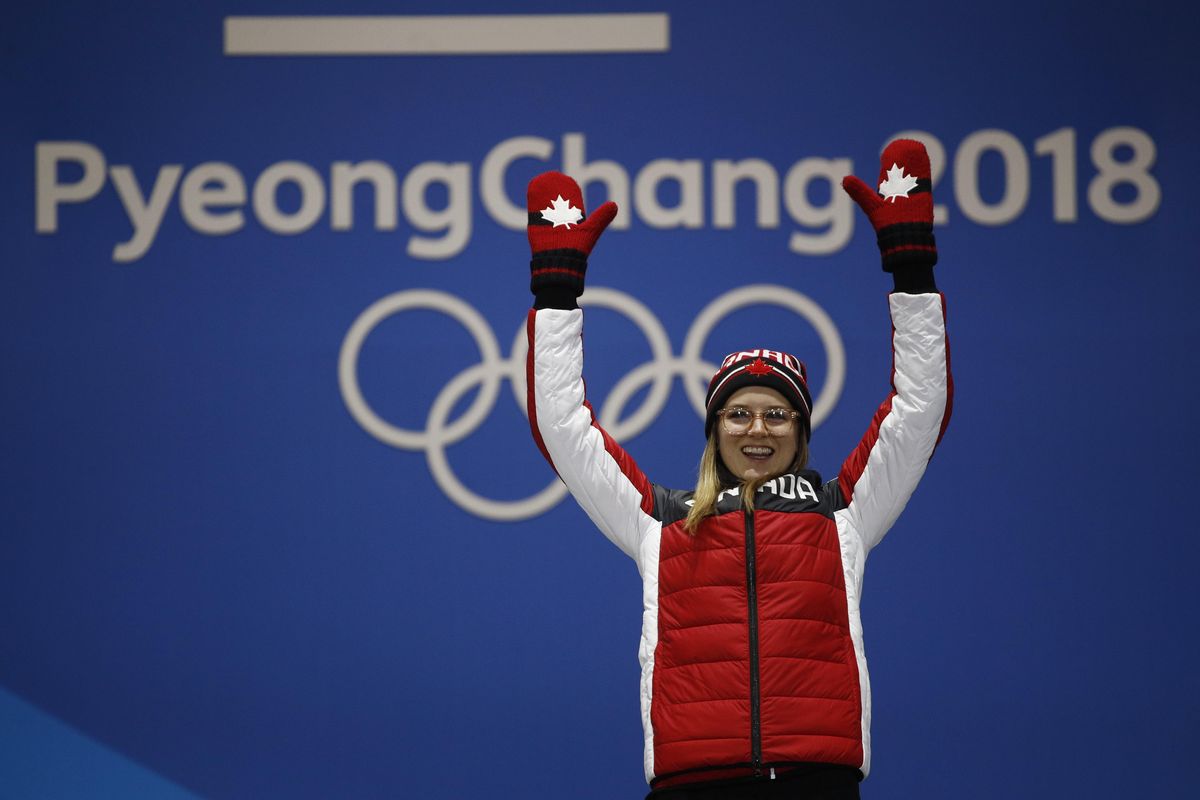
601,476
881,473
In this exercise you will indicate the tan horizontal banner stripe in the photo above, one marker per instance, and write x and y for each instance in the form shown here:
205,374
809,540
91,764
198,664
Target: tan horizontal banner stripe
447,35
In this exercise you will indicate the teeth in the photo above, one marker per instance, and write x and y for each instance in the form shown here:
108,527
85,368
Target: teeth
758,451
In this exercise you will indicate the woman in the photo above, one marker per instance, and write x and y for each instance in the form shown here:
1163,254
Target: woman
754,677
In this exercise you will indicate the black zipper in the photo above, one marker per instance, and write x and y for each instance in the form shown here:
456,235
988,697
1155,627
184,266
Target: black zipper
752,596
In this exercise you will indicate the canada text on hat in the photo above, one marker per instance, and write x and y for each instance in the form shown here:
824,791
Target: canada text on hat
787,360
780,366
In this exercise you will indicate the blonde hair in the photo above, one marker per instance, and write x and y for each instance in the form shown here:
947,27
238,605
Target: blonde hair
709,483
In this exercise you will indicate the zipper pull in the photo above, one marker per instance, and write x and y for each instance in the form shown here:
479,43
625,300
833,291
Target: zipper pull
772,773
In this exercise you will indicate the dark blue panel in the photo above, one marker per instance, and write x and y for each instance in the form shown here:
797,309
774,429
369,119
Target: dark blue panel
209,566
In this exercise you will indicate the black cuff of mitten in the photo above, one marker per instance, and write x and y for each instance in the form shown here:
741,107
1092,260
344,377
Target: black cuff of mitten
907,244
917,279
555,297
556,277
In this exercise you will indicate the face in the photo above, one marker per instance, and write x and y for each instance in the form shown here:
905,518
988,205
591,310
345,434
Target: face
757,453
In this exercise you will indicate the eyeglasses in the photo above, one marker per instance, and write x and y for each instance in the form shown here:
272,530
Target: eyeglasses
737,421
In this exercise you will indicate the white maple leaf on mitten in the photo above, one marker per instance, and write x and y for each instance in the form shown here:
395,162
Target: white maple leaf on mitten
897,183
561,212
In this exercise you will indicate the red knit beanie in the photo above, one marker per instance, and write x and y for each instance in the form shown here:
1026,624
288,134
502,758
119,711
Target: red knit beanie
771,368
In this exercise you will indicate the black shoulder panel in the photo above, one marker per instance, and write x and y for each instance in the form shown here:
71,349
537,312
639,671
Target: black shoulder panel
795,492
833,490
670,505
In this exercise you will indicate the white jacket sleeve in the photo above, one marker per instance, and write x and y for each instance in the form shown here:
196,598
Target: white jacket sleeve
601,476
877,479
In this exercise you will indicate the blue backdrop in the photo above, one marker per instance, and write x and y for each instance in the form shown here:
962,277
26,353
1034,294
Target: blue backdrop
272,522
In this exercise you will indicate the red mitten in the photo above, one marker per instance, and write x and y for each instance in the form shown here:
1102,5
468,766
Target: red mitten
902,210
559,236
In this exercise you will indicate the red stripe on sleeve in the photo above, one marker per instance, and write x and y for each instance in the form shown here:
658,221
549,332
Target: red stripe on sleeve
628,466
856,462
624,461
530,404
949,381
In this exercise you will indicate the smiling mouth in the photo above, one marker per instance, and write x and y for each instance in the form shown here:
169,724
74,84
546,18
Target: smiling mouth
758,453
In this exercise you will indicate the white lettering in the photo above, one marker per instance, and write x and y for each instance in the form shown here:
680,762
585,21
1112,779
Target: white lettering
742,355
790,487
49,193
343,179
145,216
689,213
208,186
1016,177
312,197
665,193
492,175
787,487
804,489
725,177
610,173
837,214
454,219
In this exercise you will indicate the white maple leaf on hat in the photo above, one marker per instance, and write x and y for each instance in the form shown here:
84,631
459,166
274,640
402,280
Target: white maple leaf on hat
561,212
897,183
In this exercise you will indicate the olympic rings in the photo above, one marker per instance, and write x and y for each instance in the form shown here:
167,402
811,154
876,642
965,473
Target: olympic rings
659,373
